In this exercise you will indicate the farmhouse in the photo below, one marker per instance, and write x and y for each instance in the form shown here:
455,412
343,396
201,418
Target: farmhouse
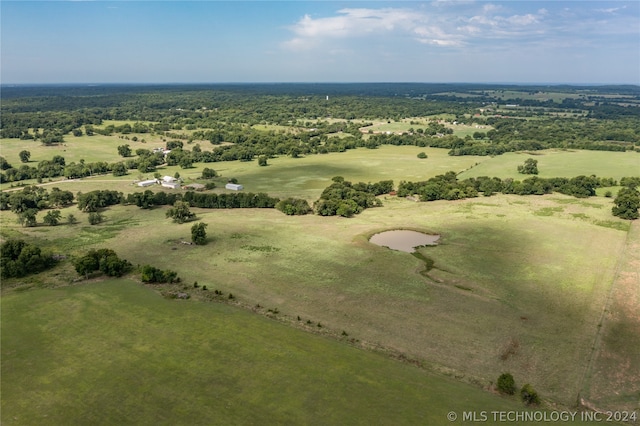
234,186
147,182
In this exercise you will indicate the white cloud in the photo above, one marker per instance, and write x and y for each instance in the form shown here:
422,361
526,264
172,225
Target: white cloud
456,27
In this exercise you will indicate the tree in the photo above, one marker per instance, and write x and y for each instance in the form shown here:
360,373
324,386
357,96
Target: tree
199,233
262,160
627,203
28,217
180,212
124,150
52,218
119,169
506,384
208,173
4,164
24,156
530,167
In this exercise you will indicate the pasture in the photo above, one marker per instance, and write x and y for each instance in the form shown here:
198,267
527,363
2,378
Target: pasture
560,163
116,353
518,283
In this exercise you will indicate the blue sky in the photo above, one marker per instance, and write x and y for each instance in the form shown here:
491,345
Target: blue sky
320,41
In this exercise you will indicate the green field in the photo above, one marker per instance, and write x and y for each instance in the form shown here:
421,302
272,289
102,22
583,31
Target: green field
116,353
560,163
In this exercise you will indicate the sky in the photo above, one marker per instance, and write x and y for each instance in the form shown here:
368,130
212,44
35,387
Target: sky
439,41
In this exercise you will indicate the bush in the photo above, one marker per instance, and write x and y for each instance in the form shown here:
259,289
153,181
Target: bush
151,274
506,384
95,218
422,155
529,395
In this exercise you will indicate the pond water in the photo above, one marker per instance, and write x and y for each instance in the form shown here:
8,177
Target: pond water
404,240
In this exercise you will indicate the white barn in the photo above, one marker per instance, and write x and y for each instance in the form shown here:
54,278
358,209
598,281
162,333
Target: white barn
147,182
234,186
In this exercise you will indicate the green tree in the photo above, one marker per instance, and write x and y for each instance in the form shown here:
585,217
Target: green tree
28,217
530,167
119,169
199,233
180,212
124,150
24,156
262,160
52,218
506,384
627,203
208,173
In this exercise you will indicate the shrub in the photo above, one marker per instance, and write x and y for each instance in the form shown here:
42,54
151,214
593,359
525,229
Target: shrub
95,218
151,274
529,395
422,155
506,384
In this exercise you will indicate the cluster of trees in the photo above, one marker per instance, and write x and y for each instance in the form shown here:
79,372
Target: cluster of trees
627,202
104,260
343,198
35,197
294,206
43,170
448,187
95,200
27,203
19,258
151,274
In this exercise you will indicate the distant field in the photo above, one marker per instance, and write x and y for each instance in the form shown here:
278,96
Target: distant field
116,353
560,163
303,177
416,123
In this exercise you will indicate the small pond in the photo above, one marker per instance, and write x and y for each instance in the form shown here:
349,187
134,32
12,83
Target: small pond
404,240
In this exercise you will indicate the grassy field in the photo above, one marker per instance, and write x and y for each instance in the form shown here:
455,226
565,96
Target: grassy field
560,163
116,353
522,275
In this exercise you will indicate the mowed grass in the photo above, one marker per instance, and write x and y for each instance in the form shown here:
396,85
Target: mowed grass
519,283
115,352
560,163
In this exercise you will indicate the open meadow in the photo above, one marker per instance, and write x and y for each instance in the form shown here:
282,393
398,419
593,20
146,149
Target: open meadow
114,352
